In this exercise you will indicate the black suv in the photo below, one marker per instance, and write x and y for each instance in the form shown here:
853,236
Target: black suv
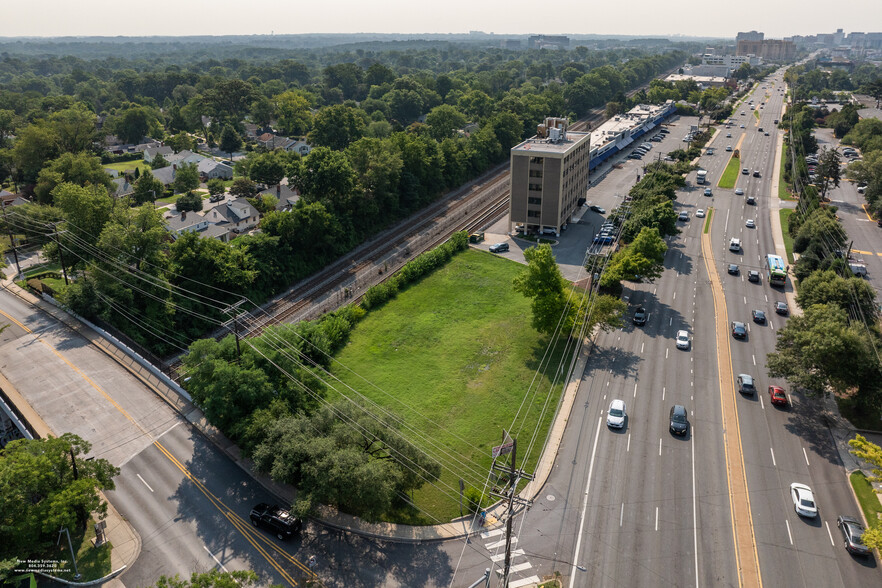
639,316
275,519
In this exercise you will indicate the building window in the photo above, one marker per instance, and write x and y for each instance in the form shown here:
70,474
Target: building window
535,173
538,160
533,213
535,187
532,200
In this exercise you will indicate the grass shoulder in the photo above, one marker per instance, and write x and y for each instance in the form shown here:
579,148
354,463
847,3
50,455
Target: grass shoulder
788,240
784,188
867,497
92,562
454,356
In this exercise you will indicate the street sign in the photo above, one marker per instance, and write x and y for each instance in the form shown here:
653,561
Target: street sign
503,449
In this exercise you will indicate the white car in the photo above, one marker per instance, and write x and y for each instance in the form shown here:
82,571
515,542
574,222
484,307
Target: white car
616,416
699,213
683,216
803,500
750,224
682,340
739,192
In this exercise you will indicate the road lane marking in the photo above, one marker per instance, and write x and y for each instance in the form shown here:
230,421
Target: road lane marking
635,390
787,522
675,296
754,359
641,347
622,514
806,456
762,404
584,506
772,449
659,446
694,508
628,448
656,518
145,483
670,321
215,559
663,392
829,534
666,353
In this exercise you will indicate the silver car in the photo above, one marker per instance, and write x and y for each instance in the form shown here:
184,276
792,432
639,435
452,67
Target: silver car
616,416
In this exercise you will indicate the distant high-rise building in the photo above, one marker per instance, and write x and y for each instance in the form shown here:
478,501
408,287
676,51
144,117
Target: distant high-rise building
749,36
769,49
548,42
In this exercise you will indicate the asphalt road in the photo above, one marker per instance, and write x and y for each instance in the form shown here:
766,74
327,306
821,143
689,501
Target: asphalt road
640,507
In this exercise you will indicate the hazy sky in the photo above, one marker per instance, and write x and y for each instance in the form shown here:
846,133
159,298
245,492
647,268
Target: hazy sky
777,18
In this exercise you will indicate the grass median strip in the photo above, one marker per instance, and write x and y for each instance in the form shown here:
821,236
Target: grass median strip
730,175
707,222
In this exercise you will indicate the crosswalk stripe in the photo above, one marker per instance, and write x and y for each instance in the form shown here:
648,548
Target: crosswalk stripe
501,556
492,546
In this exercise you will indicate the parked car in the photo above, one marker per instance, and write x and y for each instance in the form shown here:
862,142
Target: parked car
615,418
597,209
745,384
603,239
739,330
635,156
777,396
682,340
852,532
803,500
679,420
499,248
639,316
275,519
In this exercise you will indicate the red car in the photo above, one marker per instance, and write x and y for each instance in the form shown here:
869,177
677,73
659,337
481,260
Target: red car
778,396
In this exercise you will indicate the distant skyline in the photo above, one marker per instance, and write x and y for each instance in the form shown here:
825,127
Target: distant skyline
782,18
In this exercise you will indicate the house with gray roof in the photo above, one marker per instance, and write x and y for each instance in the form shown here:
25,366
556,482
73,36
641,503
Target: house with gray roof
211,168
180,223
122,187
185,156
152,152
166,175
238,215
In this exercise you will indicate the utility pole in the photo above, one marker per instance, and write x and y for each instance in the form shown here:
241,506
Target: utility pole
509,494
11,239
60,254
73,556
235,320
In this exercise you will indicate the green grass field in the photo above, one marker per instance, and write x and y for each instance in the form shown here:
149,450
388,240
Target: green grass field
756,114
867,497
730,174
788,240
458,352
126,165
783,187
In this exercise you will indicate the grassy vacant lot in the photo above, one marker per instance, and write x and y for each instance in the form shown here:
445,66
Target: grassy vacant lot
730,175
788,240
867,497
454,356
126,165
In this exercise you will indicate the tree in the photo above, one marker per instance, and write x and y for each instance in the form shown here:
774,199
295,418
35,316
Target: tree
243,188
324,175
821,353
267,168
828,171
179,142
159,161
189,202
134,123
213,579
264,203
870,453
230,140
186,178
34,146
147,188
75,129
543,282
443,120
229,100
77,168
86,210
828,287
644,257
294,116
216,186
337,126
40,494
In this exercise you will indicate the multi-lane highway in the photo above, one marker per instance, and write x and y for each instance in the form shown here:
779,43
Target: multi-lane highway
641,507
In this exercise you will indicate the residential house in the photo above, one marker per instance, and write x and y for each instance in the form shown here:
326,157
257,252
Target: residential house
238,215
185,156
7,198
299,146
285,195
211,168
122,187
180,223
152,152
166,175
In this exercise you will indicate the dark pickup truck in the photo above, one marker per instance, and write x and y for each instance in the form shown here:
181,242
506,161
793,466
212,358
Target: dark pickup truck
275,519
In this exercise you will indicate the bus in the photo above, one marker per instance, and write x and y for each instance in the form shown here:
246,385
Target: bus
776,271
